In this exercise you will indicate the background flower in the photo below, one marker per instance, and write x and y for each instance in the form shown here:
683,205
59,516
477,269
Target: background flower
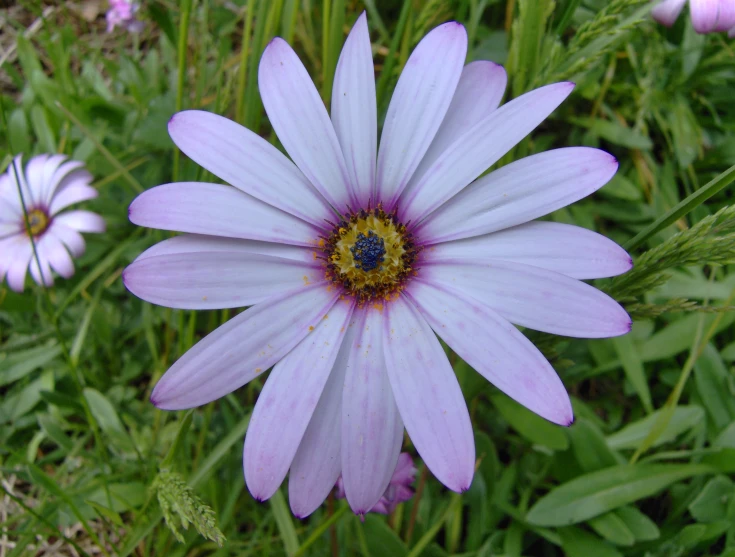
708,16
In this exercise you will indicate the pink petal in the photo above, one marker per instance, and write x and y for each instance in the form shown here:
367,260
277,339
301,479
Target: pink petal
478,93
495,348
72,239
242,348
519,192
218,210
82,221
704,15
318,463
354,112
667,11
428,396
301,122
533,297
479,148
216,280
372,430
287,402
418,106
248,162
191,243
570,250
726,15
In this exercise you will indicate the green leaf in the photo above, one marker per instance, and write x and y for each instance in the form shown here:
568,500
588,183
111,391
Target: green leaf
643,528
381,540
631,436
284,522
633,367
711,377
42,129
104,413
712,502
578,543
529,425
590,448
593,494
19,364
183,430
615,133
611,527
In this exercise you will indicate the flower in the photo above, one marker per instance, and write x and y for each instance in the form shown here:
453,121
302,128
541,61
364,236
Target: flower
708,16
123,12
49,184
398,491
352,256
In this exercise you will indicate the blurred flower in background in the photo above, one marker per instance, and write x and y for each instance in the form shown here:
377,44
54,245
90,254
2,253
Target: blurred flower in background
123,13
708,16
399,489
49,184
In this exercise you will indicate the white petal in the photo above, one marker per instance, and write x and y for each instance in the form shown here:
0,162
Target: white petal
248,162
287,402
428,396
479,148
418,106
82,221
533,297
570,250
318,462
218,210
519,192
217,279
354,111
55,253
479,92
242,348
495,348
72,239
372,430
301,122
75,189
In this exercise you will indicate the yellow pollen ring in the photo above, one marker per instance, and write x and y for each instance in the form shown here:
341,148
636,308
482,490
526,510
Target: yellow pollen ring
37,222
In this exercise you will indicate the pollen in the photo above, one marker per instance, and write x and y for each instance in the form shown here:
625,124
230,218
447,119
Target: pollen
370,254
38,222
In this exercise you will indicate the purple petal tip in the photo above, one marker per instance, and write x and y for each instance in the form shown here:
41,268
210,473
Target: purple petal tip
570,422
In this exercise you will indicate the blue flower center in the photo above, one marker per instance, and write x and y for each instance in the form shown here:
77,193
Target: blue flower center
368,251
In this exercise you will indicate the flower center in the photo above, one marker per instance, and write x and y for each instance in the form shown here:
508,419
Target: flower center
370,254
37,222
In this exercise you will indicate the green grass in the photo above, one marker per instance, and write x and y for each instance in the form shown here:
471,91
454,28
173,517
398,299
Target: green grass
646,470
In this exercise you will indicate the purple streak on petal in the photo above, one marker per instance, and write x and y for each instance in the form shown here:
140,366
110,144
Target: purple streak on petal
287,402
242,348
495,348
372,430
428,396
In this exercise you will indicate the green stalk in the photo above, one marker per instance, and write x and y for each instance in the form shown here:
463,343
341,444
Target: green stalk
244,57
181,68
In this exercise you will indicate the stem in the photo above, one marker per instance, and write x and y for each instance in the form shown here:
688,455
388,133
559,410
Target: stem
183,40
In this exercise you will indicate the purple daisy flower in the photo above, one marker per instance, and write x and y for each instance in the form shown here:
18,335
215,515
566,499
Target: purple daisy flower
123,13
49,184
353,257
708,16
398,491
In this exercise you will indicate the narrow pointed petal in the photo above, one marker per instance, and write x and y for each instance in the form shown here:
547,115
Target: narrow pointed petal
301,122
520,192
667,11
44,275
216,280
192,243
318,462
248,162
76,191
34,177
418,106
354,111
18,266
704,15
570,250
82,221
533,297
218,210
56,254
57,172
428,396
495,348
241,349
287,402
71,238
479,148
479,92
372,430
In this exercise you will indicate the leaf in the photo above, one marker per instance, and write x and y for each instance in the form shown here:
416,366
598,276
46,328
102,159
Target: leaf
529,425
712,502
631,436
381,540
284,523
104,413
590,448
633,367
578,543
616,133
593,494
611,527
643,528
19,364
711,378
